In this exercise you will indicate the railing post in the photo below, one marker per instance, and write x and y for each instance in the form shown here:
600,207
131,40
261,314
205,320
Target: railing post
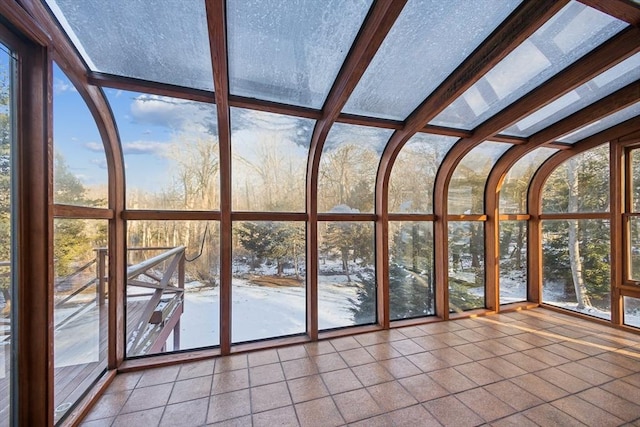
176,329
101,268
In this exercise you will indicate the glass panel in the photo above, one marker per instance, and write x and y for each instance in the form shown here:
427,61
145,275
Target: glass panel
348,168
603,124
411,274
595,89
513,261
635,181
572,33
269,160
581,184
269,292
80,165
466,188
513,194
427,42
170,151
80,308
634,248
414,172
166,43
575,261
184,313
8,64
466,265
346,274
289,52
632,312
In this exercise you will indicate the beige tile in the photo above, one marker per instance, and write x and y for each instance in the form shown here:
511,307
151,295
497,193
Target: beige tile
451,412
186,414
345,343
563,380
194,388
356,405
292,353
391,396
430,342
616,405
372,373
566,352
473,351
371,338
585,373
329,362
382,351
122,382
483,403
494,347
427,362
452,380
225,382
148,397
400,367
513,395
201,368
284,417
340,381
103,422
478,373
489,331
264,357
525,362
307,388
470,335
539,387
423,388
270,396
159,376
229,405
356,356
633,379
611,369
231,363
515,420
406,347
319,413
450,355
412,416
546,356
514,343
150,417
244,421
448,338
584,347
623,389
623,360
549,416
109,405
586,412
318,348
502,367
412,332
299,368
265,374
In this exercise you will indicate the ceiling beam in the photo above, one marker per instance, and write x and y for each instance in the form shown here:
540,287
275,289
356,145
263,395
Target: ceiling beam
618,100
623,10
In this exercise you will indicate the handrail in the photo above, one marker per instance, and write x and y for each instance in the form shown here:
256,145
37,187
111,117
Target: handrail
76,292
137,269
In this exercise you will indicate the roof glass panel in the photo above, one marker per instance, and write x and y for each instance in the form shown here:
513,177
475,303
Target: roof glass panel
269,160
427,42
466,189
290,51
414,172
595,89
600,125
348,167
513,194
166,44
572,33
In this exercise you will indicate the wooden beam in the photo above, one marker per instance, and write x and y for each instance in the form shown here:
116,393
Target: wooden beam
274,107
617,228
160,215
379,20
624,10
216,21
17,19
86,212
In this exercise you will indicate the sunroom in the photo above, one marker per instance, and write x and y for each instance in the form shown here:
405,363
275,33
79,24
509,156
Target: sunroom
435,202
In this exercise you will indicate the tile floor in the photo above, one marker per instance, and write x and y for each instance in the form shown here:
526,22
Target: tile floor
527,368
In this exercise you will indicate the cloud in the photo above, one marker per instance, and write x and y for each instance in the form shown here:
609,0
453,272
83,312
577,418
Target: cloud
61,86
144,147
101,163
176,114
96,147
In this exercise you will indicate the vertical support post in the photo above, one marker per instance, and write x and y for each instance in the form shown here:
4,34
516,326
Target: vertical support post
176,329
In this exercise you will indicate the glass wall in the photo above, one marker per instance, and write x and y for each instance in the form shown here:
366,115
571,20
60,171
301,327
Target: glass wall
632,312
513,261
466,265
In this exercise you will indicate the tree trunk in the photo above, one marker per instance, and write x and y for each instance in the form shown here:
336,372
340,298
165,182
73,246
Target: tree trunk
582,296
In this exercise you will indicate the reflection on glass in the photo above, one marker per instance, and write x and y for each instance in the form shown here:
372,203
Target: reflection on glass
434,37
7,214
635,180
466,265
269,293
570,34
466,188
513,261
348,168
411,275
632,312
595,89
581,184
269,160
634,248
170,149
414,172
167,43
575,261
80,165
346,274
289,52
173,286
513,194
80,308
603,124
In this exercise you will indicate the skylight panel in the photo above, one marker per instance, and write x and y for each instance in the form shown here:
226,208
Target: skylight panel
427,42
290,51
166,43
572,33
603,124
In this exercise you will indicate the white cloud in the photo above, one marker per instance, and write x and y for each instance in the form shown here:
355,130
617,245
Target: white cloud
176,114
61,86
96,147
101,163
144,147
